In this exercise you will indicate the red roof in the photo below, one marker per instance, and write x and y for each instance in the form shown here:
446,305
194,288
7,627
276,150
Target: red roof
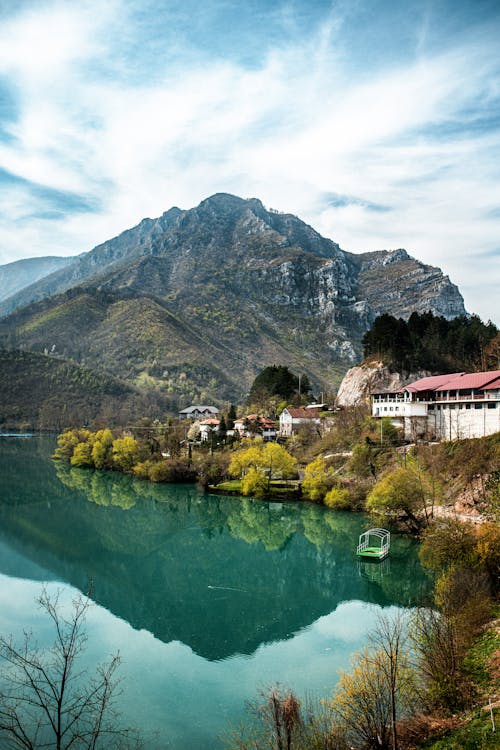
432,383
474,380
300,413
494,384
210,421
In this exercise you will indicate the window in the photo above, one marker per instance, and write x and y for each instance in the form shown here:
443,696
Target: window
467,406
478,406
492,406
452,406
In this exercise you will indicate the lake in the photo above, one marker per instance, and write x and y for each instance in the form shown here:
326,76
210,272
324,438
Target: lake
206,598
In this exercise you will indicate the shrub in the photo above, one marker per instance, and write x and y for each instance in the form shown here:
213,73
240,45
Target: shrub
142,470
338,498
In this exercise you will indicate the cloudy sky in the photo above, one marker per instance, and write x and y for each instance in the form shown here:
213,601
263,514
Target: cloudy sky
376,121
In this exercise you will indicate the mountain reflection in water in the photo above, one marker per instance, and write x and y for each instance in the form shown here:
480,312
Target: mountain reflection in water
221,575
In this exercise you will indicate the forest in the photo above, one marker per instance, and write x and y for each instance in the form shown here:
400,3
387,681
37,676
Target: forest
430,342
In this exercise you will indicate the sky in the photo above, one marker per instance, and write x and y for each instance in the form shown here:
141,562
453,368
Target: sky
375,121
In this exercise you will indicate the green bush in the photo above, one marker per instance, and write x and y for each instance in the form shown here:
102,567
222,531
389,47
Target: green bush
338,499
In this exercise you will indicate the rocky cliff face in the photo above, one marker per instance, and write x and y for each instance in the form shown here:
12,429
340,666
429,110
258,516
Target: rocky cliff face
227,287
394,281
360,381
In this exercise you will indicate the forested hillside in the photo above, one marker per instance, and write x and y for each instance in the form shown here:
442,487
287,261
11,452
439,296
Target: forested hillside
39,391
430,342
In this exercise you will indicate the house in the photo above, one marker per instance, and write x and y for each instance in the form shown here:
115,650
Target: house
198,412
292,419
207,428
254,425
444,407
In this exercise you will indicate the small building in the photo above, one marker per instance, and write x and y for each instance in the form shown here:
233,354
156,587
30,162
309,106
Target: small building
444,407
199,412
208,427
254,425
292,419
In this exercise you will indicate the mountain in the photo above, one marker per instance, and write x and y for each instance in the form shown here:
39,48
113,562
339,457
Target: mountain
23,273
197,302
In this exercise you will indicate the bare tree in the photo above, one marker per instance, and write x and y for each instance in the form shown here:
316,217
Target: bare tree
371,699
47,700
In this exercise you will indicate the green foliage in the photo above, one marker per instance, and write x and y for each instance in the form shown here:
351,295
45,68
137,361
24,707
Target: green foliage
476,734
254,483
102,450
142,470
270,460
82,455
278,381
67,442
430,342
318,478
403,494
125,453
338,498
231,416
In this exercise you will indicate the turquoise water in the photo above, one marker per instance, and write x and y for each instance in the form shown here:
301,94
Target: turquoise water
207,598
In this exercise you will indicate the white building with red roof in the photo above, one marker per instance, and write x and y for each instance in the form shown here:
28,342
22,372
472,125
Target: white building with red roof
292,419
445,407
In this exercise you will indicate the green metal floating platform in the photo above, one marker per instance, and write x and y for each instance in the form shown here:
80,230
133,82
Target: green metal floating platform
374,544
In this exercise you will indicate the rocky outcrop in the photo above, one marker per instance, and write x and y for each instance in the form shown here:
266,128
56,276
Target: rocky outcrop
369,377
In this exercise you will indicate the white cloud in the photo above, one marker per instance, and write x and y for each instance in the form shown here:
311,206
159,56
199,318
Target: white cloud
289,130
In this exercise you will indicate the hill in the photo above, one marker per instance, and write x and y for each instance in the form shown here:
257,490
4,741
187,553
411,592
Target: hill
197,302
38,391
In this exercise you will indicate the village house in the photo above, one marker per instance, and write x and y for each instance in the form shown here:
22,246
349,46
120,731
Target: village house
198,412
292,419
254,425
444,407
208,427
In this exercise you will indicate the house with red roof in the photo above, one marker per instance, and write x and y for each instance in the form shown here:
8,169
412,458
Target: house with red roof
254,425
292,419
444,407
208,427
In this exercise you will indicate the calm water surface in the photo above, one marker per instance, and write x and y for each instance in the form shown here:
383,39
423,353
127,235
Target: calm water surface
206,598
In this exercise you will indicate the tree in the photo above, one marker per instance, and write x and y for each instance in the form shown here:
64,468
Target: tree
379,689
318,479
270,460
404,494
67,442
222,429
102,450
338,498
231,416
125,453
82,455
276,380
48,700
254,483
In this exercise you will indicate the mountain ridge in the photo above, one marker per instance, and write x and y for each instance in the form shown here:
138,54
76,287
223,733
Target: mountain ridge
196,302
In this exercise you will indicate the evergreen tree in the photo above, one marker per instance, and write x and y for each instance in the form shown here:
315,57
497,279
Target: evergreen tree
231,416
